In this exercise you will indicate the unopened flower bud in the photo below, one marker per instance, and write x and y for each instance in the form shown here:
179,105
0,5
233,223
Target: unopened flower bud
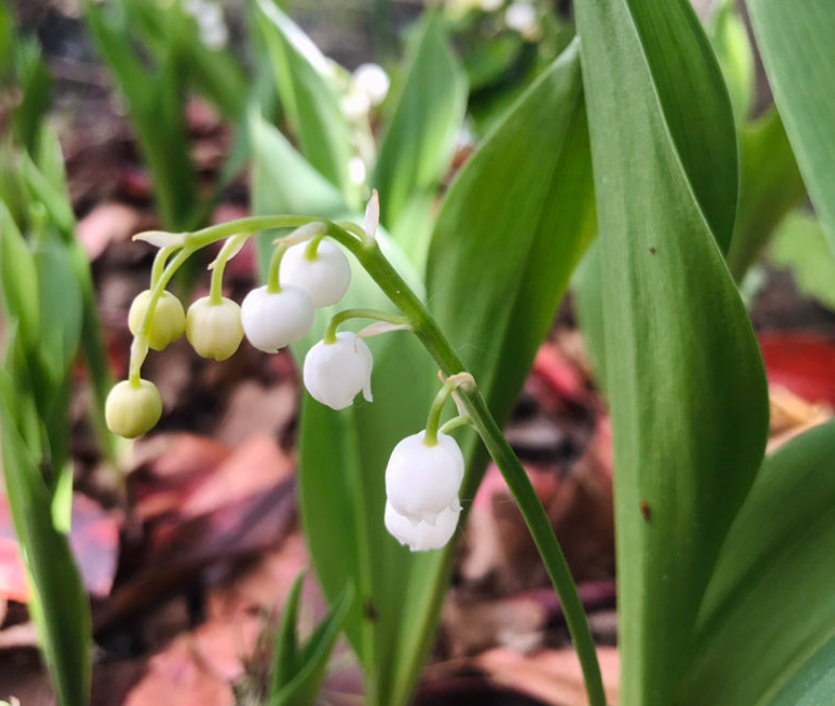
133,410
325,278
335,372
274,320
422,481
214,330
167,323
421,536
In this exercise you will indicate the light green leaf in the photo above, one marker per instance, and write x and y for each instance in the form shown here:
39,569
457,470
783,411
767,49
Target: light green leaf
60,308
286,644
800,245
19,280
767,627
771,187
797,43
284,182
59,604
418,141
686,386
729,37
309,97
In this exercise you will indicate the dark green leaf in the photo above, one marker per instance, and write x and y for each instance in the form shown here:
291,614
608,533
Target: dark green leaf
729,37
308,96
59,604
797,43
285,662
418,142
768,621
684,377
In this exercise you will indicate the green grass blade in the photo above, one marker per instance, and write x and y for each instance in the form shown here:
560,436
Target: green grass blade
686,385
285,661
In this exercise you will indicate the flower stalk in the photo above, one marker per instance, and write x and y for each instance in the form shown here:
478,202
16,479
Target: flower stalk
364,247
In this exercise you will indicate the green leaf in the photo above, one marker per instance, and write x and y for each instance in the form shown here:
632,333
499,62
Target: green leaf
19,280
303,689
284,182
60,308
35,83
418,141
501,255
771,187
308,96
797,43
800,245
286,648
43,189
686,385
729,37
59,604
767,627
588,300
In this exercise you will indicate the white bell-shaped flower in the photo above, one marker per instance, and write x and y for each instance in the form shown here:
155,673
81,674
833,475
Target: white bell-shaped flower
422,481
372,80
214,330
335,372
274,320
421,536
325,278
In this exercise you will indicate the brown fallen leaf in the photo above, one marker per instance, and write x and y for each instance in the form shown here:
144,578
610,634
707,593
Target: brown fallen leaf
107,223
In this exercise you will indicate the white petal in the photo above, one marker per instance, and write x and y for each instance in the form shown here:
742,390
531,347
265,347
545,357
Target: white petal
335,373
373,81
372,216
421,536
325,279
274,320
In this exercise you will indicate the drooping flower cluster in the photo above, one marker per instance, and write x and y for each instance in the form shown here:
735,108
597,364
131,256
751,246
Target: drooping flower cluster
425,471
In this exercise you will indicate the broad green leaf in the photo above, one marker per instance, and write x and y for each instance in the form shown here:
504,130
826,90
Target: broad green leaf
19,280
35,84
59,604
767,627
797,43
771,186
729,37
418,141
55,200
800,245
309,96
303,689
284,182
686,385
501,255
588,301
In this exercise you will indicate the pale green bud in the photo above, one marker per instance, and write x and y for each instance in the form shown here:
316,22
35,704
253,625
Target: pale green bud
132,409
167,323
214,330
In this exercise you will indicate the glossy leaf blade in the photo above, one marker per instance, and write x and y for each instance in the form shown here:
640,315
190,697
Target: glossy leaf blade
684,376
308,95
418,142
797,43
767,628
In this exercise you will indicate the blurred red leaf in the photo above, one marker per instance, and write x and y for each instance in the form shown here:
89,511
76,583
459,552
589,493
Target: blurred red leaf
107,223
802,363
94,539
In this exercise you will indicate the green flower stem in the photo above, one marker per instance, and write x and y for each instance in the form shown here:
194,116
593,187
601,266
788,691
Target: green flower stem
373,314
159,262
273,283
310,252
227,252
463,420
429,333
430,437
